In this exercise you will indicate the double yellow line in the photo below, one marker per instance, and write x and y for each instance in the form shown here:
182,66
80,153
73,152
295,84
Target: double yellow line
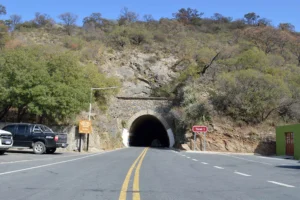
136,181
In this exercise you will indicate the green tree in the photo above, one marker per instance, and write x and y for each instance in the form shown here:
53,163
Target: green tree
250,95
251,18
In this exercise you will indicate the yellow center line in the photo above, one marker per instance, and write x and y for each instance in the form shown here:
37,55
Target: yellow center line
123,193
136,182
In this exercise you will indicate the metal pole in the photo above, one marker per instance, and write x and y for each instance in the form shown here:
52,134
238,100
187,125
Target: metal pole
90,112
194,141
79,142
204,141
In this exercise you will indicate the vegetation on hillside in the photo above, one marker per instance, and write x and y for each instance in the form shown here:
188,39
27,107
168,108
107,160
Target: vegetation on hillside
248,68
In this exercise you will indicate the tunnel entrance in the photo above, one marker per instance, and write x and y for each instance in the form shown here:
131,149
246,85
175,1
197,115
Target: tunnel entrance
147,130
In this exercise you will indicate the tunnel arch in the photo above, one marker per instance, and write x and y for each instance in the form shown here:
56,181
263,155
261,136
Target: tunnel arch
151,117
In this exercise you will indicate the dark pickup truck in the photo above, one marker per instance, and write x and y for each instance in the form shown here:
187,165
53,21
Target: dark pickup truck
36,136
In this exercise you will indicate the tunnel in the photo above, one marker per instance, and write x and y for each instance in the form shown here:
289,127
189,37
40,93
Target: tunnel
147,130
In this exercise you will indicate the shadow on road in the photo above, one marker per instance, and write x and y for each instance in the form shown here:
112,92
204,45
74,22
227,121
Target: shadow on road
28,152
289,166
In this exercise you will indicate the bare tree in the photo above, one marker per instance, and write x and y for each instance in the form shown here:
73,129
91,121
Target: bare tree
148,18
15,20
42,19
69,21
127,16
286,27
2,10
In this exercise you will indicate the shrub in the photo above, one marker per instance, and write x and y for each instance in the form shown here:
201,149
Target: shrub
250,95
73,43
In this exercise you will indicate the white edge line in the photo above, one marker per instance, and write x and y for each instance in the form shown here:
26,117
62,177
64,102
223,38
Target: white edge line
195,160
188,157
246,159
204,163
218,167
242,174
66,161
20,161
282,184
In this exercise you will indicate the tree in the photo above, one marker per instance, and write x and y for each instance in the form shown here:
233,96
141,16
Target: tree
294,44
95,19
15,20
251,18
127,16
69,21
148,18
250,95
2,10
42,20
265,38
264,22
3,34
221,19
58,88
188,16
286,27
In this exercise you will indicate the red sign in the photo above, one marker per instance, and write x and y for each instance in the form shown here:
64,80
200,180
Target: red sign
198,129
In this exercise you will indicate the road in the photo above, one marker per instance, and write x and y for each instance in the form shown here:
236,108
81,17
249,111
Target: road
147,174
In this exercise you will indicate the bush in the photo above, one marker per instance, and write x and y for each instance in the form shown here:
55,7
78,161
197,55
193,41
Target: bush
73,43
250,95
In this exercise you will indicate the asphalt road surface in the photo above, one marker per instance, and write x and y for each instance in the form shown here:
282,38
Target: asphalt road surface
146,174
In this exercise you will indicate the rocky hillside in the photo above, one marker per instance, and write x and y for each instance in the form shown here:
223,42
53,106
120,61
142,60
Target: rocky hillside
238,77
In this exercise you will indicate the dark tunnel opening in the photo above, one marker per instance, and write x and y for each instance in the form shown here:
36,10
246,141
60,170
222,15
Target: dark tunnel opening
147,130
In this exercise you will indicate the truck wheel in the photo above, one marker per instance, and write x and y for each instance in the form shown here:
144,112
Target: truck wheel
51,150
39,148
2,152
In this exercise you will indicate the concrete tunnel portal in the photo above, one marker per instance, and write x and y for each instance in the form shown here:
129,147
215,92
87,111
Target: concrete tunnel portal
148,128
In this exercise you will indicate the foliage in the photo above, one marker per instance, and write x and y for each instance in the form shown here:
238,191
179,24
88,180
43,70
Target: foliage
250,95
127,16
188,16
69,20
2,10
58,88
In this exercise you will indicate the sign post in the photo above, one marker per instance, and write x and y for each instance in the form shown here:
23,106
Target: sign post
199,129
85,127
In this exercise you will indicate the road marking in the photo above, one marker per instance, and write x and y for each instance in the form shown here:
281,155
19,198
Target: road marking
20,161
242,174
218,167
183,155
246,159
204,163
123,193
136,182
282,184
195,160
41,166
188,157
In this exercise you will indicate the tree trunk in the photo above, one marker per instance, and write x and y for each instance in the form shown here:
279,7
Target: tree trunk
21,112
4,111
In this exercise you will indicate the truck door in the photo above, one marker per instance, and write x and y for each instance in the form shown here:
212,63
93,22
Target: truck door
22,136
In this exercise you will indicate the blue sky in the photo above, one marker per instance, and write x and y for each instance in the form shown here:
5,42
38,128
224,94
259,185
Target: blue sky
276,10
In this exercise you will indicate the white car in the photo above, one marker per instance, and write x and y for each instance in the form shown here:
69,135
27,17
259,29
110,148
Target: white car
6,141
